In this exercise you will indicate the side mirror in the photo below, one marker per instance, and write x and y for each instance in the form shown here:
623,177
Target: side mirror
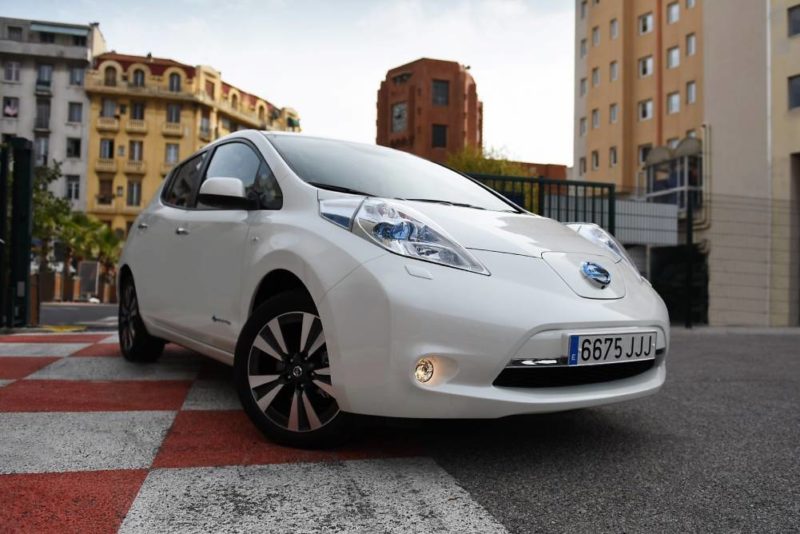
223,193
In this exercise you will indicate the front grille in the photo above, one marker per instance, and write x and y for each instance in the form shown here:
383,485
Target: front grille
550,377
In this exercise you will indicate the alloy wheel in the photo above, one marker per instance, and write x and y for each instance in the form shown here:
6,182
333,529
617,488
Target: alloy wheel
128,313
289,373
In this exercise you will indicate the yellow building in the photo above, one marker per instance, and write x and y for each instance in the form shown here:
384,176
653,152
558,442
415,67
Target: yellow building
146,115
639,76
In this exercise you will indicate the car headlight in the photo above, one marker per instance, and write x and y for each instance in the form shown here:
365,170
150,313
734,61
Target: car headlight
399,229
598,236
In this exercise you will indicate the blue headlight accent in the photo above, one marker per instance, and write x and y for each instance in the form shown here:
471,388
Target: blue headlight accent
400,231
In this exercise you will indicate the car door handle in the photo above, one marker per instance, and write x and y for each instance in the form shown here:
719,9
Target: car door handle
181,231
142,226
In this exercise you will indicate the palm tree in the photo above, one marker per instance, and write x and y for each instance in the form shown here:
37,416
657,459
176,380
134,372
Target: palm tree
109,246
76,235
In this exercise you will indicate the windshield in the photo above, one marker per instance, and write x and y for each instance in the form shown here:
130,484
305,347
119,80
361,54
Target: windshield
379,172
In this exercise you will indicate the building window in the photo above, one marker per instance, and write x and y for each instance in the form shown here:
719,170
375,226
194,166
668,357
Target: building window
76,76
136,151
137,111
73,191
73,147
439,136
582,126
42,113
173,113
582,86
171,156
175,82
614,28
612,156
78,40
645,66
673,143
595,160
595,36
794,20
138,78
14,33
399,117
234,101
106,149
210,88
691,92
612,113
691,44
646,110
645,23
75,112
134,197
794,92
583,48
673,57
441,92
205,123
690,4
41,150
673,103
691,134
47,37
595,118
644,151
583,8
10,107
105,194
44,75
582,166
11,71
595,77
673,13
110,77
108,108
612,70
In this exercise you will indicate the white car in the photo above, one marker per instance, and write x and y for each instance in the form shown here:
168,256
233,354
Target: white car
342,278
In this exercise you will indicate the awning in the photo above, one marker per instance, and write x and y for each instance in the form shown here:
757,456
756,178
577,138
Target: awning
65,30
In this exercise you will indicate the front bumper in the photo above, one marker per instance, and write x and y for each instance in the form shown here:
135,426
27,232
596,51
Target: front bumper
391,311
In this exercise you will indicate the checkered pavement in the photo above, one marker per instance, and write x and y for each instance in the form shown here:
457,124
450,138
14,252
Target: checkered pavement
92,443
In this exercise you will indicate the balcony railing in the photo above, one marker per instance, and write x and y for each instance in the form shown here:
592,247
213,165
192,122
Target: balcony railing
135,167
166,167
105,165
136,126
172,129
108,124
205,134
105,200
42,123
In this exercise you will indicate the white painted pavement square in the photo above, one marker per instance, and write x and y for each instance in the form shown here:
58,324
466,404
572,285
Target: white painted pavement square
410,495
113,338
212,395
118,369
5,382
80,441
40,349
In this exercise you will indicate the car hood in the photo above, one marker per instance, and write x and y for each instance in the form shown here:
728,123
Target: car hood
512,233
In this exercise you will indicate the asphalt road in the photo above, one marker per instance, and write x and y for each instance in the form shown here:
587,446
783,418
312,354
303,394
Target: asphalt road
94,315
717,450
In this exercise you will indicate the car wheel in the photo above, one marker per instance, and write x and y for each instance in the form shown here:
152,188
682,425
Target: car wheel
283,374
136,344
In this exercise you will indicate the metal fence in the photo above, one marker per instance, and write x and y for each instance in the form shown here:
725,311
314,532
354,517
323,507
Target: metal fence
565,201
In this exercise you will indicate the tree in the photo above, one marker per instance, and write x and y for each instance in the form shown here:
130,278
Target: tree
76,236
48,211
108,247
473,160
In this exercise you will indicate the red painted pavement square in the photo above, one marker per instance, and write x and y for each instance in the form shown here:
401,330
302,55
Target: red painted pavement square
21,366
53,338
86,396
93,501
100,349
217,438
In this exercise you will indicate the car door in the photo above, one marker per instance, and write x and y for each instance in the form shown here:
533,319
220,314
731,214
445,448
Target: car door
217,243
157,266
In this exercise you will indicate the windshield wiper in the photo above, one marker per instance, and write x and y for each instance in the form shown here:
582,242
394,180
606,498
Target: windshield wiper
340,189
445,202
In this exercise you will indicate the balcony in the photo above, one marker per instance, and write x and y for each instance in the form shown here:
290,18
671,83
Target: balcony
46,50
95,83
166,167
105,165
205,134
42,124
136,126
42,88
108,124
172,129
135,167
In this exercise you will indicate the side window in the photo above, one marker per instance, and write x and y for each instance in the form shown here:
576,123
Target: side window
184,185
238,160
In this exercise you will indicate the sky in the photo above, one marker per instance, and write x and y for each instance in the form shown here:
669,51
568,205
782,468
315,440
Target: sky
327,58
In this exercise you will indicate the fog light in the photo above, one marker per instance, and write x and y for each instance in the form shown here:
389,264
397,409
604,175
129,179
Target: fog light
424,370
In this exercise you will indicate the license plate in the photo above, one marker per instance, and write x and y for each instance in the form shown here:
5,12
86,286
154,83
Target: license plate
598,349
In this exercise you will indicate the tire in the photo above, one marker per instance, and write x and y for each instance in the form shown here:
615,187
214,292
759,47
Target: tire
282,375
136,344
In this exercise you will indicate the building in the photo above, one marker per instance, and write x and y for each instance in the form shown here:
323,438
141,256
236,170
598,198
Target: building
430,108
146,115
650,75
639,83
43,97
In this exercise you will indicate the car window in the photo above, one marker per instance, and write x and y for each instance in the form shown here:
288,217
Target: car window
238,160
380,172
184,185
